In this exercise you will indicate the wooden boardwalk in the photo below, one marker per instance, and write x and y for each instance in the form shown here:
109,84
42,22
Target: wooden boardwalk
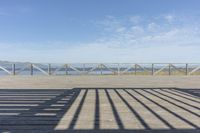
100,110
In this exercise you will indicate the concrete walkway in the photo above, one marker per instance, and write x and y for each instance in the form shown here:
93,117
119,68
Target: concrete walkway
98,104
63,82
100,110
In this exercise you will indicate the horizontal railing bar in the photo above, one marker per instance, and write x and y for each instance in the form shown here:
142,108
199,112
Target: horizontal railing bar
101,68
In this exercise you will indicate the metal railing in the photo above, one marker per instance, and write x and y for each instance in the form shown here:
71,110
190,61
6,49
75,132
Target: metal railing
102,69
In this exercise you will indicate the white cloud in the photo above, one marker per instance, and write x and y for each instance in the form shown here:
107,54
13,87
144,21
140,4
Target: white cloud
137,29
123,42
135,19
95,53
153,27
169,18
120,29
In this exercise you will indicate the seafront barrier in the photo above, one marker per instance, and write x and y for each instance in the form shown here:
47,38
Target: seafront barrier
100,69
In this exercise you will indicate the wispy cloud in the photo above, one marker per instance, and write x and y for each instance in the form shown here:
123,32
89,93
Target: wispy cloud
169,18
164,38
135,19
151,33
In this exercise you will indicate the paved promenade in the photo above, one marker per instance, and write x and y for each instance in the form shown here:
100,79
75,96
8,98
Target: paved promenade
115,105
67,82
100,110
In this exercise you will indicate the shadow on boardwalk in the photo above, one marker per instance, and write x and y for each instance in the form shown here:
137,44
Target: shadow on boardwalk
99,110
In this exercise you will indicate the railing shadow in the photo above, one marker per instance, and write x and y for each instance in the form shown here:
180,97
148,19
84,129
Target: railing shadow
33,109
99,110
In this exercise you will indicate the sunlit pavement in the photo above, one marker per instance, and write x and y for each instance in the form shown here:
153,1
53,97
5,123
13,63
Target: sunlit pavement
100,110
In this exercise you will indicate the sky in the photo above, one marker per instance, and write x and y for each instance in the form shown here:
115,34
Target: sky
94,31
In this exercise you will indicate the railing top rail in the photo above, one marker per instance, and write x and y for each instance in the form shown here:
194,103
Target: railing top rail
126,63
111,63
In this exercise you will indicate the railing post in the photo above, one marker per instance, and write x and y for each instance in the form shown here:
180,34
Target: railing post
49,69
31,68
169,69
84,68
66,69
186,69
101,66
135,69
118,69
13,69
152,70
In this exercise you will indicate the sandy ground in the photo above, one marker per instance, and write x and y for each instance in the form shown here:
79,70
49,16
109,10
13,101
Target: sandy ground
67,82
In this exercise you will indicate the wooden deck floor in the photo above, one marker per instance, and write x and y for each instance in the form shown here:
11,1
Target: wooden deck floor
100,110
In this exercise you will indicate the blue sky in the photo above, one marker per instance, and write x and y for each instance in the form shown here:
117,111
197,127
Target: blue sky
58,31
